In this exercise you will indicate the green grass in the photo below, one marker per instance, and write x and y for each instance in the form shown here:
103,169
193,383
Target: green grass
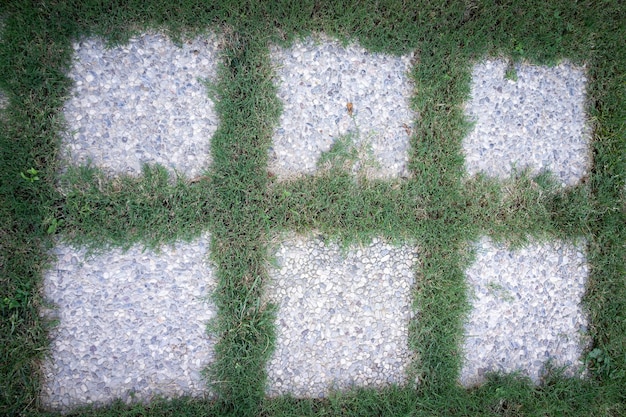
150,209
243,207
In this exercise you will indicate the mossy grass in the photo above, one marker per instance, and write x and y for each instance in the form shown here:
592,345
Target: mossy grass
243,207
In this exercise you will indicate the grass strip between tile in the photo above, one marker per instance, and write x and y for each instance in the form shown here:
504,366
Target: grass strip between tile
248,110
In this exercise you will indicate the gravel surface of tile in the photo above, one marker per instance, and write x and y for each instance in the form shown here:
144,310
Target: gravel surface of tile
526,309
316,80
343,318
131,322
536,121
143,102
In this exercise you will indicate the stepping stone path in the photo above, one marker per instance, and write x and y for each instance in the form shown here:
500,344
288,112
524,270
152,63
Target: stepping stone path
135,322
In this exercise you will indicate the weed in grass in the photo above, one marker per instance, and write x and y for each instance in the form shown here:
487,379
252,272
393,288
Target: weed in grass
53,225
31,175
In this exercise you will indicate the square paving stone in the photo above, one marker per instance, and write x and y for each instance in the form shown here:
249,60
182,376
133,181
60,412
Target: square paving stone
128,322
343,318
526,309
329,90
536,121
143,102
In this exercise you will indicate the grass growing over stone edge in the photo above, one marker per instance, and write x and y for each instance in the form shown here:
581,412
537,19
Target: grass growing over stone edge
539,32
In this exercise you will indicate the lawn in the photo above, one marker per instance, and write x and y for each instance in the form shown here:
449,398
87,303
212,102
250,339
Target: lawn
243,207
